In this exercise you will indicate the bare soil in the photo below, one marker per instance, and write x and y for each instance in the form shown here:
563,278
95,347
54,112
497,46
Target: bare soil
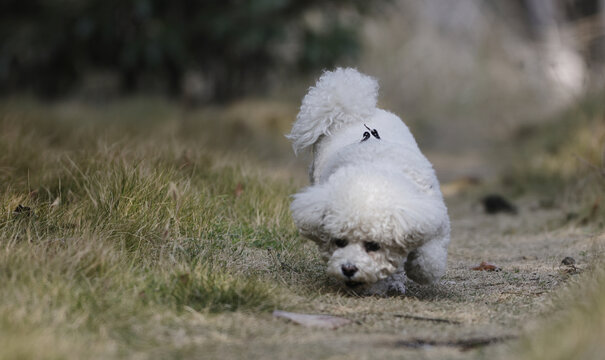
469,314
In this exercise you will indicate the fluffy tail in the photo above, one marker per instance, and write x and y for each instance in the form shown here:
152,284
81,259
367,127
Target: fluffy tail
340,96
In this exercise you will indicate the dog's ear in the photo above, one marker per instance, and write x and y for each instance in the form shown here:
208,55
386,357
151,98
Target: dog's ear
308,211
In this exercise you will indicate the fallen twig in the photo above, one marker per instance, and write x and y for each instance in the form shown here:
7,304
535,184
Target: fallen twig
464,344
523,292
312,320
423,318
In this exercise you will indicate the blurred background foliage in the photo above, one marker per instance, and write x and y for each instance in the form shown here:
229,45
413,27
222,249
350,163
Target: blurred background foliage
467,76
48,46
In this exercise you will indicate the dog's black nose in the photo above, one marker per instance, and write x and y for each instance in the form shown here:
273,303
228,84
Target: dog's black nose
349,270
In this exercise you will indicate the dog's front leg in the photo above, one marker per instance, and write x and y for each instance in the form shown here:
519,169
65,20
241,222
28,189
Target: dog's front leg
392,285
427,264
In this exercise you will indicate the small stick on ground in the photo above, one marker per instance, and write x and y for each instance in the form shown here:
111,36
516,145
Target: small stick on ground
464,344
423,318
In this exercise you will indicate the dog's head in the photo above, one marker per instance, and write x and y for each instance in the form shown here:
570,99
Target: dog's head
358,262
365,224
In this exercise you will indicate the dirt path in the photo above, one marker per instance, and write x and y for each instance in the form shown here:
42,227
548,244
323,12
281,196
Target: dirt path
469,313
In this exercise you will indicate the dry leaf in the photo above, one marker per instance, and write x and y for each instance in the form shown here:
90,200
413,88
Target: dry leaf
185,160
33,194
460,185
310,320
184,279
485,266
239,190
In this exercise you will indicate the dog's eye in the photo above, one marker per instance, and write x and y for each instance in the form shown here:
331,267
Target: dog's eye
371,246
341,242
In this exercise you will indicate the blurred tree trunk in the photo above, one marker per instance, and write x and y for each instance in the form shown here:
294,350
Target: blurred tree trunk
602,34
543,16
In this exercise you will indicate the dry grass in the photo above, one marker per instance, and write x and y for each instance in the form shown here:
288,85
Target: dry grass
117,226
576,323
155,232
569,169
563,161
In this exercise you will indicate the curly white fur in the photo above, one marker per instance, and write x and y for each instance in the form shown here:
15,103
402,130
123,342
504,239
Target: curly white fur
368,192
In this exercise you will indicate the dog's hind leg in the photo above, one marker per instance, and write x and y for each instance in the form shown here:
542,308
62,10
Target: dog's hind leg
427,264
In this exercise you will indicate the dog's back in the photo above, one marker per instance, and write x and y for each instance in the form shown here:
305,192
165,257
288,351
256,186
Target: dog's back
340,121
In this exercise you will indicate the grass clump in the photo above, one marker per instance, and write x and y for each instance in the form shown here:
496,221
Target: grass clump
575,328
213,290
106,233
564,161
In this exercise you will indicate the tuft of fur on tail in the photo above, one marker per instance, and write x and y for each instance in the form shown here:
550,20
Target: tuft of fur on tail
340,96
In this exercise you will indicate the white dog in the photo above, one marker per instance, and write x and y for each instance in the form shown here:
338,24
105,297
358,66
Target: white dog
374,207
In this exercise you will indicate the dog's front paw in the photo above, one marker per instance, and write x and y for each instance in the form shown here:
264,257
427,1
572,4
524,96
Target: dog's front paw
396,288
394,285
